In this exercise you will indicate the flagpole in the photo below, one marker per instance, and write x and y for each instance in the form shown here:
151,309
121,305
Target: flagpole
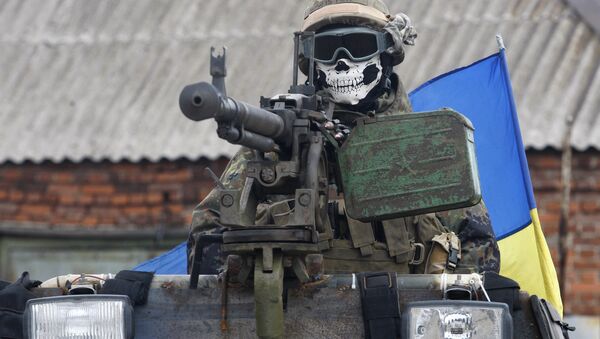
515,120
500,42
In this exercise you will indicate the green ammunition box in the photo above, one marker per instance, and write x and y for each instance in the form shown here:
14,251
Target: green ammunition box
409,164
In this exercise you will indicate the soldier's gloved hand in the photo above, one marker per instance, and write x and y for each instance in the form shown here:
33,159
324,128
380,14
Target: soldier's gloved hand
338,130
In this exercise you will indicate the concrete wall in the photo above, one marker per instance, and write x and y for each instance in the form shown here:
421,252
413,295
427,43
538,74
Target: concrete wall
56,252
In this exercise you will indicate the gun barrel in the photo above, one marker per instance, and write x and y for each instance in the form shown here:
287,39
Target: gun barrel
245,122
199,101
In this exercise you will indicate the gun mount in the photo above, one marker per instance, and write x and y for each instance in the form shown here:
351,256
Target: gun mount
287,171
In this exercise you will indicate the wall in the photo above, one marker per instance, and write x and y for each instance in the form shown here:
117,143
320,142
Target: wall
150,194
105,194
582,287
61,252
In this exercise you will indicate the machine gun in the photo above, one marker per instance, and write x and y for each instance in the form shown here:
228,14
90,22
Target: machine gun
289,172
389,167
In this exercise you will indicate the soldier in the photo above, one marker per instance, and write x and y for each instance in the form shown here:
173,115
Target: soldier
357,44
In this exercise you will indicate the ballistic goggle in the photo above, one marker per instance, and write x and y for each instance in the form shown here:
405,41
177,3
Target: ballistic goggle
358,43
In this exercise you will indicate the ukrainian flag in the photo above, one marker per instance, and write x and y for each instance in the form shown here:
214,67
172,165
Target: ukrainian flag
483,93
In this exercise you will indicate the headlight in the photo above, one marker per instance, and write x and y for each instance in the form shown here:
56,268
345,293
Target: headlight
81,316
453,319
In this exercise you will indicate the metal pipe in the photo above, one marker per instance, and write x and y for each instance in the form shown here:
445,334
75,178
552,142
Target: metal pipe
296,50
311,60
246,138
408,281
565,239
565,203
251,118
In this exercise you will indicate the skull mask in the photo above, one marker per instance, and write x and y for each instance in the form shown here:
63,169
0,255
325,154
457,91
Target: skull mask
348,81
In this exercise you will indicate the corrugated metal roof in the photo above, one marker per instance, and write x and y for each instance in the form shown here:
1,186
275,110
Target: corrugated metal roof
553,56
589,10
101,79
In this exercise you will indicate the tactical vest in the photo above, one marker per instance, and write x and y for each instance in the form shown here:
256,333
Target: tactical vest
419,244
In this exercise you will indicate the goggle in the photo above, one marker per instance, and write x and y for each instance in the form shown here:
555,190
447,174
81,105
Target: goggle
358,43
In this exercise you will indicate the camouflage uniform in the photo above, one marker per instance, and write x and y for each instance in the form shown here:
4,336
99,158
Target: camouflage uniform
472,225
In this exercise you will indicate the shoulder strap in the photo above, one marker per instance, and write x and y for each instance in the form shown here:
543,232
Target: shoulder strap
401,241
548,320
360,232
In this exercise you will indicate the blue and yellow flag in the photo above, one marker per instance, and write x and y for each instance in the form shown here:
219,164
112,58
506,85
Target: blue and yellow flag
483,93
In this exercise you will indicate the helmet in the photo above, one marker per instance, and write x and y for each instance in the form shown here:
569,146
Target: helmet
321,13
369,13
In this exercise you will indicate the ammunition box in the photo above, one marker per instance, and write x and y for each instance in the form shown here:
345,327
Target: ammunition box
409,164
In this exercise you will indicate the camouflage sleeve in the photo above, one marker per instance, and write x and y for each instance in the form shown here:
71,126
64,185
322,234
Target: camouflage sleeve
395,102
205,214
205,217
480,250
402,100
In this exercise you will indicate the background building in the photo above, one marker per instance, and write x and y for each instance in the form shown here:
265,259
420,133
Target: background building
99,170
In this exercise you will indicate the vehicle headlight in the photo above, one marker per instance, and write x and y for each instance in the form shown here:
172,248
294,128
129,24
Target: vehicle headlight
79,316
454,319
